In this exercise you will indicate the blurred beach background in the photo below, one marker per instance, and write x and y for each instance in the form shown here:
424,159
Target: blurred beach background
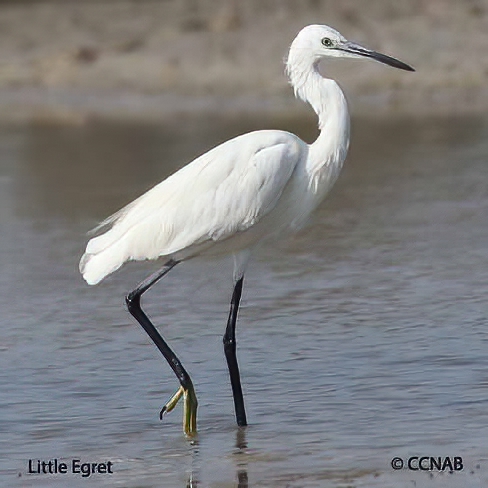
76,59
361,339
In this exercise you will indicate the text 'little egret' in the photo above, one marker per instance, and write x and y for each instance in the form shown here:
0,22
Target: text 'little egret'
228,200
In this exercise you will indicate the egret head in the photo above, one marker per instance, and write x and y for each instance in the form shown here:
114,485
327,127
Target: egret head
316,42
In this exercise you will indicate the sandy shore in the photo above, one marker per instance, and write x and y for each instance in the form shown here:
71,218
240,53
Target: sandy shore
72,60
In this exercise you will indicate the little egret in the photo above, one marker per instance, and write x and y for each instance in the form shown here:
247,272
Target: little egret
240,193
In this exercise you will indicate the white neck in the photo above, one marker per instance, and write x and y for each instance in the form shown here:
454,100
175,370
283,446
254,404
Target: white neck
328,152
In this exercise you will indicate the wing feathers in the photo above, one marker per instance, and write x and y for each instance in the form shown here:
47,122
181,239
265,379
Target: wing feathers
225,191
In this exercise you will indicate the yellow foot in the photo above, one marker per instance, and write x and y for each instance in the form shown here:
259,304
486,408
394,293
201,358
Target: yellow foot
190,405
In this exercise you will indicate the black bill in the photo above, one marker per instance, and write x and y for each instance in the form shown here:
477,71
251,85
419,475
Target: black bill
353,48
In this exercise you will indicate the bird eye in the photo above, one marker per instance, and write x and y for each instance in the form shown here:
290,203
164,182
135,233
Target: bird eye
327,42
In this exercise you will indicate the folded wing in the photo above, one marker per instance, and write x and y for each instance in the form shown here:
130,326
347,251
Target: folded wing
225,191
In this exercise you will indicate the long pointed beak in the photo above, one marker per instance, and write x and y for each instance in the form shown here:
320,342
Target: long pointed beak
353,48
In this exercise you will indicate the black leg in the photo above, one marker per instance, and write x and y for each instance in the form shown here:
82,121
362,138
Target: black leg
133,301
230,354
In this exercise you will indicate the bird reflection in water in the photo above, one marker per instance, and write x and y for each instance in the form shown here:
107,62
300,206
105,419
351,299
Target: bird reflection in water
239,457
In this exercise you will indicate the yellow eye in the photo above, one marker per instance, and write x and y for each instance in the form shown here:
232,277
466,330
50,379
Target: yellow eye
327,42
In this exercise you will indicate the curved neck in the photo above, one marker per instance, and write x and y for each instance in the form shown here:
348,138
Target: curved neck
324,96
329,103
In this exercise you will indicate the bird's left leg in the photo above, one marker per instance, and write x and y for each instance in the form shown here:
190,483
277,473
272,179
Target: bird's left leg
230,354
186,389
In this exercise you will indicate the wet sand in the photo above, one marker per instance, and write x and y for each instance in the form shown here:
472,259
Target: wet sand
69,61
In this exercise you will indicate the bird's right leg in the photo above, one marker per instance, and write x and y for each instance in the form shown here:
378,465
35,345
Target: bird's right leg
186,389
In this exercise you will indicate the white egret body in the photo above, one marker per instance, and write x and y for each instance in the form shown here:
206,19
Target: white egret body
250,188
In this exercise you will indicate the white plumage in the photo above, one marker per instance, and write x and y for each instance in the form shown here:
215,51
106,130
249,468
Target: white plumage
228,200
249,187
221,194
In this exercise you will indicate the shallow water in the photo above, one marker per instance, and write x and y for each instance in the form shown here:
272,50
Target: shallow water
362,339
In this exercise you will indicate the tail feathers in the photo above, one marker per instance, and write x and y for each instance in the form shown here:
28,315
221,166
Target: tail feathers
95,267
103,256
104,241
